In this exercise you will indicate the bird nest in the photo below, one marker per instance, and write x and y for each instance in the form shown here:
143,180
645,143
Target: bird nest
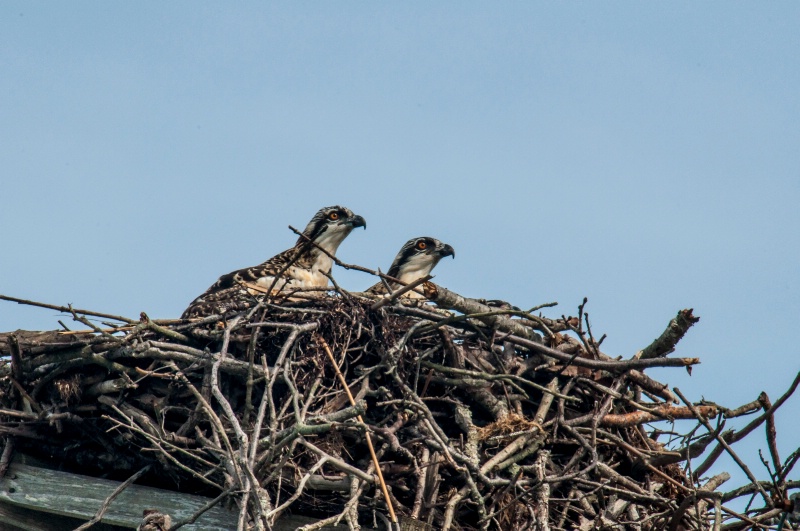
478,415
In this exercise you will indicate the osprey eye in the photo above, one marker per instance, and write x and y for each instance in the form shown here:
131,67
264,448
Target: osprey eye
421,245
333,216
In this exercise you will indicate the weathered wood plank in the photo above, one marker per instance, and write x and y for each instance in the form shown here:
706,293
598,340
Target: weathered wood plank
78,496
13,518
40,499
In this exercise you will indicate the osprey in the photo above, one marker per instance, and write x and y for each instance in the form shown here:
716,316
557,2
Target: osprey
302,266
415,260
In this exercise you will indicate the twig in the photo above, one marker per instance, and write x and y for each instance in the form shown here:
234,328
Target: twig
197,514
739,435
68,309
400,292
612,366
772,435
725,445
361,420
634,418
5,458
111,497
674,332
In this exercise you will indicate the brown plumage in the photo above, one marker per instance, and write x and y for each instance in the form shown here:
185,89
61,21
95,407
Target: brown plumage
416,259
302,266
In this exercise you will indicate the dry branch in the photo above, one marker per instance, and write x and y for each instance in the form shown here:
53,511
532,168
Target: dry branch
465,414
675,331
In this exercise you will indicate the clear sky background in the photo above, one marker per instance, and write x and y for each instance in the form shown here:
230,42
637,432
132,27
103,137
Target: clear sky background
644,155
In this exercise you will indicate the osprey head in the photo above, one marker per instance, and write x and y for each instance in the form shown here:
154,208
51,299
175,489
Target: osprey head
330,226
418,257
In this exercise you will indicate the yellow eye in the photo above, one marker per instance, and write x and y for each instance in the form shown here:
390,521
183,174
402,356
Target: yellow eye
421,245
333,216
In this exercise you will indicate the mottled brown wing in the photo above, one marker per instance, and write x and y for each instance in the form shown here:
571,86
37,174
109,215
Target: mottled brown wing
377,289
228,286
270,268
220,302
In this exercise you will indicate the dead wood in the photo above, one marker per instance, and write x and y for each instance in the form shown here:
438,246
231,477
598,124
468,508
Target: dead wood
464,414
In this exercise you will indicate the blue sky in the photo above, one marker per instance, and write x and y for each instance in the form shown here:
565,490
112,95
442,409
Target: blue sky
643,155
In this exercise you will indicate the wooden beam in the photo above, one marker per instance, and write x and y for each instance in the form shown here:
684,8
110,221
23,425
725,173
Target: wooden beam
40,499
20,518
77,496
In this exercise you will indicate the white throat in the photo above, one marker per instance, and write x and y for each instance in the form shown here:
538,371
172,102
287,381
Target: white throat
333,237
417,267
329,241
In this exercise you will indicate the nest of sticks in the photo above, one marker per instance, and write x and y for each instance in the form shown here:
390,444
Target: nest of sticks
480,415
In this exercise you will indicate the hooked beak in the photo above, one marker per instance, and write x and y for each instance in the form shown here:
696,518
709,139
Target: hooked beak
446,250
357,221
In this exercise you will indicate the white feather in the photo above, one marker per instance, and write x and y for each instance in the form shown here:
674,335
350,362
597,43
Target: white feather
417,267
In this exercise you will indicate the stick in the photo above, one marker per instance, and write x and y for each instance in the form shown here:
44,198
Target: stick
111,497
361,420
67,309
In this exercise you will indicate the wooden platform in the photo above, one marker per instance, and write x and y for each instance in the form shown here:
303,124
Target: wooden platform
34,498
